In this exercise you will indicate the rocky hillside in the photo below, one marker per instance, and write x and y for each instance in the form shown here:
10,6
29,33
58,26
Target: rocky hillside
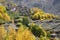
51,6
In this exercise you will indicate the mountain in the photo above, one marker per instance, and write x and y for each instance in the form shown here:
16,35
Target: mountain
51,6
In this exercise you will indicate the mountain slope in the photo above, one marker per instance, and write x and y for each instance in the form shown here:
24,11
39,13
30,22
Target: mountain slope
51,6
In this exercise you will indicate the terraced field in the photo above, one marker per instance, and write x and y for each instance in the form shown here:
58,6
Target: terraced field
38,25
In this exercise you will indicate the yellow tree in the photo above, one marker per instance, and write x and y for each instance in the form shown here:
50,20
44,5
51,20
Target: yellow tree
25,35
11,34
2,33
3,14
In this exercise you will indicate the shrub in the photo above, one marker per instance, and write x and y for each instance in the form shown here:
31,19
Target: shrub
25,21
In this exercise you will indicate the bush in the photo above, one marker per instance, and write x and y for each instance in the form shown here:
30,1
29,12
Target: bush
25,21
36,30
